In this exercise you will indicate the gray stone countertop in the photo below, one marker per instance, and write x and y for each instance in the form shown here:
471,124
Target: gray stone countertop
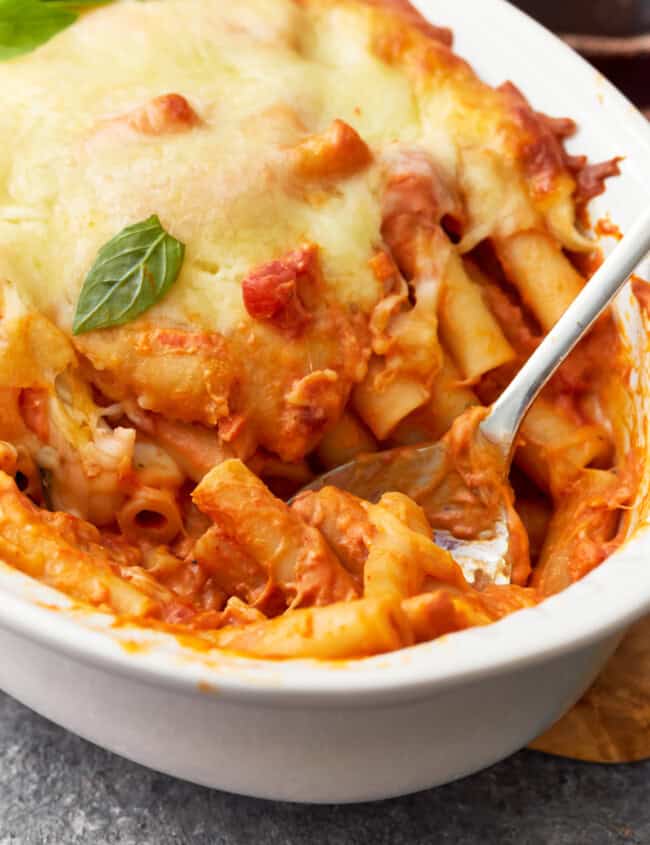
56,789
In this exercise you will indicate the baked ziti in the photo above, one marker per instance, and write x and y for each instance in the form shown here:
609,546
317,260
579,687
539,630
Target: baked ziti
243,243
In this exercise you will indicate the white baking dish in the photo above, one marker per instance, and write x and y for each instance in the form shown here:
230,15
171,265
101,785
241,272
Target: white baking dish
396,723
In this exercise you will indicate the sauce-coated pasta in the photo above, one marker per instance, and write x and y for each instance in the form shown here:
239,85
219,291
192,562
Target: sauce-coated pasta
243,243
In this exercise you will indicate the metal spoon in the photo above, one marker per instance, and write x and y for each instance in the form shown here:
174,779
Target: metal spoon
417,470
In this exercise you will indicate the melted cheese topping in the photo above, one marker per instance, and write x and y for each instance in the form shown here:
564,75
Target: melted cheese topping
260,76
74,174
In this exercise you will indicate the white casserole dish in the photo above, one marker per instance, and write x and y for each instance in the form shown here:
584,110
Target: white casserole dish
399,722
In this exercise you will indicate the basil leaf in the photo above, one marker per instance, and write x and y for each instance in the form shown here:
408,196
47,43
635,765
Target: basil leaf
132,272
26,24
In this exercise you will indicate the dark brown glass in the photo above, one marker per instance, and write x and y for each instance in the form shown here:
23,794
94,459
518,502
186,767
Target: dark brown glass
594,17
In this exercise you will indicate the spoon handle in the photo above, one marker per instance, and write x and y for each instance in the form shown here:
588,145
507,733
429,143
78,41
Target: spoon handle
503,421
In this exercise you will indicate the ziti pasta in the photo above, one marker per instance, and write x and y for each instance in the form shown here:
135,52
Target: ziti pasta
242,243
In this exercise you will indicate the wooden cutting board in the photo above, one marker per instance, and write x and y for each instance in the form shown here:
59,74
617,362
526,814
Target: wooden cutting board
611,723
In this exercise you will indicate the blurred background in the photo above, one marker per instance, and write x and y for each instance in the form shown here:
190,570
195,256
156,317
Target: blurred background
613,34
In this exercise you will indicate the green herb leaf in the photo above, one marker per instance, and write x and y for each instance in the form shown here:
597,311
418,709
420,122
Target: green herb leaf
26,24
132,272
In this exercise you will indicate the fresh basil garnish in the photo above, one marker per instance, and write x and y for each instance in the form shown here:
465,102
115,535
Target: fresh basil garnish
132,272
26,24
